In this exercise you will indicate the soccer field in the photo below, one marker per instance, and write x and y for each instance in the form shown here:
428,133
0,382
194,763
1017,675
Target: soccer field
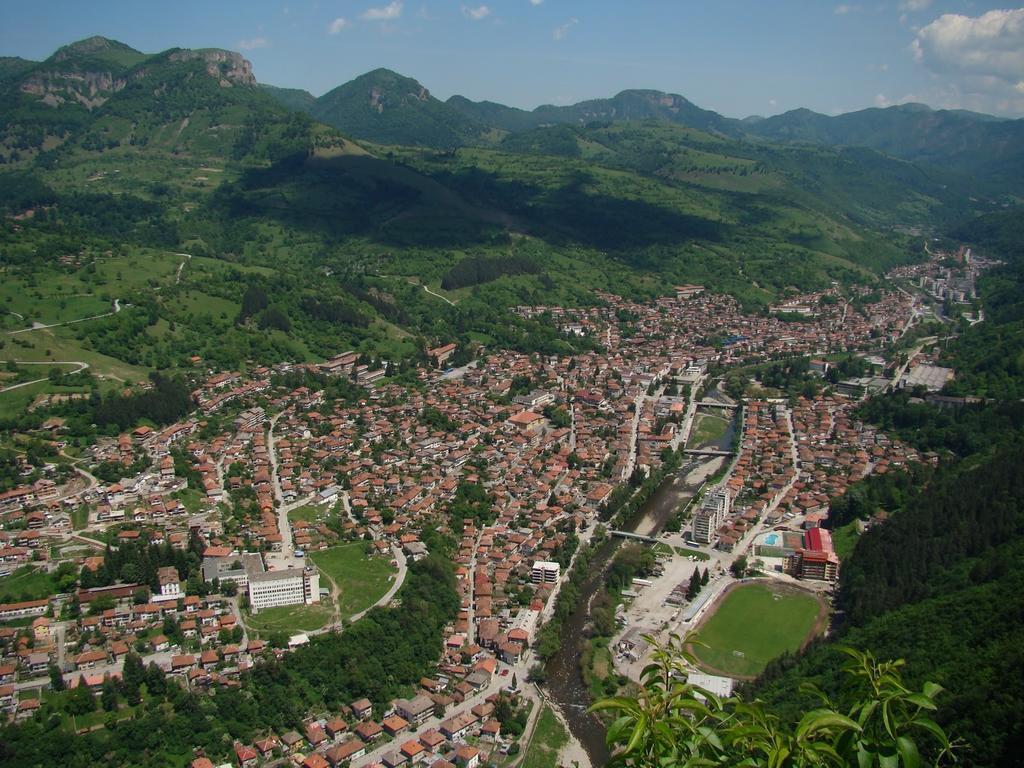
752,625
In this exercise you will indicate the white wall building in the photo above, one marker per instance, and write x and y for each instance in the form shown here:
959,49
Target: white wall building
290,586
545,572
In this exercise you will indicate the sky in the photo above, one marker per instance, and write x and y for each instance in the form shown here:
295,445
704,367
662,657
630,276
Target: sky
737,57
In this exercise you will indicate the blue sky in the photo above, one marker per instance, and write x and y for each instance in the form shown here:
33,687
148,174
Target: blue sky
738,57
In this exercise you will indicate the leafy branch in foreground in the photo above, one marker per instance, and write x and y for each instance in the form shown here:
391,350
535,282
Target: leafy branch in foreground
672,722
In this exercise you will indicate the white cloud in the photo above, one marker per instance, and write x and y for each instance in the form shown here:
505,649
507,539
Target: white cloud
563,29
336,26
914,5
978,61
253,43
989,45
882,101
476,14
535,3
772,102
388,12
842,10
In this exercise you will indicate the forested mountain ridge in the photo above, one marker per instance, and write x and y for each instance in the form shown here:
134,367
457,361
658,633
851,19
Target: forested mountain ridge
964,141
380,106
387,108
182,154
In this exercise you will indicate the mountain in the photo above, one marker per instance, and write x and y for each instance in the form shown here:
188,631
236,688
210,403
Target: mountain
293,98
387,108
957,139
495,115
100,94
627,106
13,66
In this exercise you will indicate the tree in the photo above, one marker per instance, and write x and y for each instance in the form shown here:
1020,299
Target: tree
56,678
705,578
537,674
672,722
694,587
739,566
133,673
108,695
80,699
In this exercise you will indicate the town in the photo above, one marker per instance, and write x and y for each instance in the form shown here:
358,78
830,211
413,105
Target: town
295,498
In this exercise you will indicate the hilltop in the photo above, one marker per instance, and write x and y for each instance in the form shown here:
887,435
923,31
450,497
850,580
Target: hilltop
138,158
387,108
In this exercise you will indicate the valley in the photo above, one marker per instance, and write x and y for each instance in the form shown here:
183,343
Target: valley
371,429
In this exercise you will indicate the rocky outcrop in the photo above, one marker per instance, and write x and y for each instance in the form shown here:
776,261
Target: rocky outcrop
90,89
228,67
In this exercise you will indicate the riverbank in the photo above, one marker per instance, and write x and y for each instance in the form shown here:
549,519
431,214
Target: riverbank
565,684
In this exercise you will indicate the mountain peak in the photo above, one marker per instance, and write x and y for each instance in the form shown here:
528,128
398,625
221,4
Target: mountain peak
98,47
385,106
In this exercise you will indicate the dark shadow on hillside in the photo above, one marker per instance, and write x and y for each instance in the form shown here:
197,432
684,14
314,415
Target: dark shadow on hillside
572,214
359,196
396,205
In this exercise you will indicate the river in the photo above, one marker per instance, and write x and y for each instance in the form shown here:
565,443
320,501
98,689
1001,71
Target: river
565,684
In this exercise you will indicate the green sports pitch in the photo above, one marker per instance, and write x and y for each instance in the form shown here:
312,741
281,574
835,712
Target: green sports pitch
753,624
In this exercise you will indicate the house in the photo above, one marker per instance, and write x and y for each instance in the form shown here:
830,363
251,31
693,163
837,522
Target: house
247,756
394,724
467,757
432,740
413,751
315,760
368,731
416,710
350,750
362,708
335,727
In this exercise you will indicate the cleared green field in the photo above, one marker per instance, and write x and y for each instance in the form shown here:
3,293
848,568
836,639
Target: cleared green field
361,580
305,513
548,738
290,618
26,583
754,624
707,429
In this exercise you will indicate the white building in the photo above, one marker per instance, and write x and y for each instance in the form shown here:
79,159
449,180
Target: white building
170,582
545,572
709,517
289,586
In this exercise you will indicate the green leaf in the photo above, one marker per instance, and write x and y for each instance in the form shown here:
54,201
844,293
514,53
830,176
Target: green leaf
908,752
934,729
616,731
931,690
817,719
638,734
922,701
615,702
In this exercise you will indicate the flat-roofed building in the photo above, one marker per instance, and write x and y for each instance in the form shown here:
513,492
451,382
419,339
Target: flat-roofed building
289,586
545,572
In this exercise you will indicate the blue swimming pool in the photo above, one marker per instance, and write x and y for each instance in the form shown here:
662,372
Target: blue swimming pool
772,540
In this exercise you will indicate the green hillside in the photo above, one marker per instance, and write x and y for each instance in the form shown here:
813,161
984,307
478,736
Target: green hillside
387,108
182,205
964,141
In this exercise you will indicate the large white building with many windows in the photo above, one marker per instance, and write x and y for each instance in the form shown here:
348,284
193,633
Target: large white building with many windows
545,572
289,586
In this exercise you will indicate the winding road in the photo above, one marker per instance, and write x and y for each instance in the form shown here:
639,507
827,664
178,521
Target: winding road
81,367
42,326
